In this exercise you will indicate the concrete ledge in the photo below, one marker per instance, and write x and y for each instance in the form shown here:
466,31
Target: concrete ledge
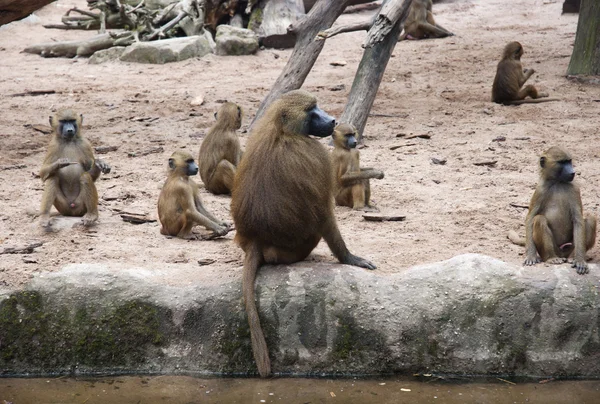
469,315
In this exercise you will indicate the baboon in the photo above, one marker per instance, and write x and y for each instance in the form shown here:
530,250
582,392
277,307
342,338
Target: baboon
220,152
282,199
510,77
352,186
555,225
69,171
179,204
420,23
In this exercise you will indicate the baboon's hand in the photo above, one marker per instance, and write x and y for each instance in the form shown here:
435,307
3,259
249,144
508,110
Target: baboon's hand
221,231
531,260
63,162
359,262
103,166
581,266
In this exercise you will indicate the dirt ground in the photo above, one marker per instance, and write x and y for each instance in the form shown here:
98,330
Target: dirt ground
437,87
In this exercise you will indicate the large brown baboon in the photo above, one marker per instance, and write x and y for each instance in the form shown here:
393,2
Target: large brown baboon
420,23
69,171
555,225
220,151
282,199
179,204
352,186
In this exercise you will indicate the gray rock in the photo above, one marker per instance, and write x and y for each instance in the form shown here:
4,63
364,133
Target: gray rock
169,50
235,41
106,55
469,315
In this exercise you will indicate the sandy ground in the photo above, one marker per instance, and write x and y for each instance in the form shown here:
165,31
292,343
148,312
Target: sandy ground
436,87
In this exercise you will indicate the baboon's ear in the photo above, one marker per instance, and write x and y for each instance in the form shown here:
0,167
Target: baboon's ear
542,161
171,163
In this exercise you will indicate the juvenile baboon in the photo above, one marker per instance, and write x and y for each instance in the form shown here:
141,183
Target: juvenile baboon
282,199
352,186
220,151
69,171
179,204
555,225
420,23
510,77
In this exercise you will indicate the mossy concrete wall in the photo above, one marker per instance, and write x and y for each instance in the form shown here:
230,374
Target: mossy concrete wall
469,315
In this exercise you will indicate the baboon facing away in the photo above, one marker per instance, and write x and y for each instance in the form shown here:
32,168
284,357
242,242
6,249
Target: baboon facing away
352,186
282,199
220,151
510,77
179,204
69,171
555,225
420,23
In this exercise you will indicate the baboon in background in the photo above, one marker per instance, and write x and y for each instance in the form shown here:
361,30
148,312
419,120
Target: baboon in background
352,186
179,204
282,199
69,171
220,152
420,23
510,77
555,225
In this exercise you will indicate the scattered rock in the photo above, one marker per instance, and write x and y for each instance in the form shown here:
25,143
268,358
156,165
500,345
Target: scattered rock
196,102
235,41
339,87
437,161
107,55
169,50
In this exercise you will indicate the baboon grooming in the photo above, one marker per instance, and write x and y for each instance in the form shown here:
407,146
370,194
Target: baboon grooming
179,204
220,151
510,77
352,187
420,23
555,225
69,171
282,199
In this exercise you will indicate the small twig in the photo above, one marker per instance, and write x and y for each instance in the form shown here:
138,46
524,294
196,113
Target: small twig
105,149
402,145
152,150
378,217
506,381
22,250
517,205
423,136
403,115
486,163
136,219
206,261
34,93
13,167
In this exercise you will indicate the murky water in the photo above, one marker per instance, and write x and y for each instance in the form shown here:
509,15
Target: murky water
190,390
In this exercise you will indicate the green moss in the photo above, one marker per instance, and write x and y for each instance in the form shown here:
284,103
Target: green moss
352,341
33,332
236,345
255,19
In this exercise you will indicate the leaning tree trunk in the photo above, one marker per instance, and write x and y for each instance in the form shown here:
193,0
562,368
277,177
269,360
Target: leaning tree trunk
11,10
380,44
585,59
306,50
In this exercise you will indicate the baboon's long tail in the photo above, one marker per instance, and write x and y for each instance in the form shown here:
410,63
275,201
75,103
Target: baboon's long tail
514,237
252,262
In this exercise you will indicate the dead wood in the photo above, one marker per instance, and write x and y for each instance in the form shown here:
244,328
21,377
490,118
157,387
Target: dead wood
402,145
306,50
84,47
270,20
362,7
105,149
28,249
135,218
391,12
520,206
340,29
33,93
379,47
378,217
151,150
12,10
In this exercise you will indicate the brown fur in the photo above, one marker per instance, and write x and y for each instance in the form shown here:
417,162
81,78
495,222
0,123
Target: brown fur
220,152
282,200
420,23
179,204
555,225
69,171
352,186
510,77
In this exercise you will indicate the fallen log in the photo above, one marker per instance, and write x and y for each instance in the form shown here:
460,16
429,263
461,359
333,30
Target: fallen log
270,20
12,10
85,47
